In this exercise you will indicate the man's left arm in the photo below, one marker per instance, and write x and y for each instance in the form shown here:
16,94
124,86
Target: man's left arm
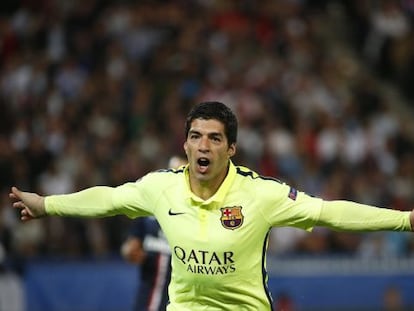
350,216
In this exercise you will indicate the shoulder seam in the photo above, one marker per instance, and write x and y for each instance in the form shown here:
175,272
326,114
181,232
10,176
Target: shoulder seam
254,175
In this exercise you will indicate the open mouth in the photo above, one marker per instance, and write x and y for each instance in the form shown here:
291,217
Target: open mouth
203,164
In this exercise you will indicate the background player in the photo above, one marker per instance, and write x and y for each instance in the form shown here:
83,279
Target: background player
146,246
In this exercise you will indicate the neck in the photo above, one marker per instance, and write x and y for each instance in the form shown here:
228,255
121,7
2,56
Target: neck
206,189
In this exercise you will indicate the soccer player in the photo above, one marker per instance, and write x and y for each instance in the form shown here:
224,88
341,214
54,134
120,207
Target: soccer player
215,215
147,247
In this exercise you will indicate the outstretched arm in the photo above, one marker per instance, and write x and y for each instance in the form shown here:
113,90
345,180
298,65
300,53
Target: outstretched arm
351,216
91,202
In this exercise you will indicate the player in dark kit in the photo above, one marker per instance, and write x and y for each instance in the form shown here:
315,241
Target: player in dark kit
146,246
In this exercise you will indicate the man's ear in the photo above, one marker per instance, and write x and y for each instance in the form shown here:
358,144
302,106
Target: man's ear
232,150
185,146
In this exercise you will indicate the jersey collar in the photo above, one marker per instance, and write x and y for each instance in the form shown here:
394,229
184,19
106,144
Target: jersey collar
221,192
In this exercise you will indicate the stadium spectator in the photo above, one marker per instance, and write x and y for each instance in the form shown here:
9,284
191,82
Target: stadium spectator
284,302
11,286
393,299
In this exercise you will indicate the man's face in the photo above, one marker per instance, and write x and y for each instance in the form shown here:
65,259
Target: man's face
207,150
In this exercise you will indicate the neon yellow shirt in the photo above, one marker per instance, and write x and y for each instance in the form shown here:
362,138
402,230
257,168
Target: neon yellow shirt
218,245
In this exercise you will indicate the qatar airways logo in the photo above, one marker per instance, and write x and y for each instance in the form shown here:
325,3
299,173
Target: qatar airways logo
206,262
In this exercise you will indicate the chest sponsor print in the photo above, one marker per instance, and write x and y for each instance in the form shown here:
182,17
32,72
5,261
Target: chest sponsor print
231,217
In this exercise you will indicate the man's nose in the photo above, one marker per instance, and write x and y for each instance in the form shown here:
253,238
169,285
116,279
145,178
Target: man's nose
204,144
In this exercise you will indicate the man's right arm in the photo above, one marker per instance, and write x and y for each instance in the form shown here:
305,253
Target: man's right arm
91,202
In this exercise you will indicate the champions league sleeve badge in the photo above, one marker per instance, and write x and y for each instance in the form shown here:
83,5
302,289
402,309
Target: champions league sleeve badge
293,193
231,217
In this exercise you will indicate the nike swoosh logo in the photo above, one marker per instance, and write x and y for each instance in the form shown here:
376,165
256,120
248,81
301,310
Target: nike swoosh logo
171,213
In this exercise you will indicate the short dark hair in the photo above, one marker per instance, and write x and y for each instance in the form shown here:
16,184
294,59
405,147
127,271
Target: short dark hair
214,110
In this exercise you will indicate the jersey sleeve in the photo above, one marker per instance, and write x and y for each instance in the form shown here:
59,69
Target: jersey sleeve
287,206
132,199
351,216
91,202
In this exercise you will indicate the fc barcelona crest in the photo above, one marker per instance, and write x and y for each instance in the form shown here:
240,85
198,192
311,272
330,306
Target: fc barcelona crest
231,217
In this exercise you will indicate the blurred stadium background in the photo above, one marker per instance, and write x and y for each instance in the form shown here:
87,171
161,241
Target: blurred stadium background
95,92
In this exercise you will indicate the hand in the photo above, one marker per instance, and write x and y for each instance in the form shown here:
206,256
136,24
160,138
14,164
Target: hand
132,250
31,204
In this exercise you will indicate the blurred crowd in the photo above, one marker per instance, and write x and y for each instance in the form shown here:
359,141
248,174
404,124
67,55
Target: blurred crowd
96,92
